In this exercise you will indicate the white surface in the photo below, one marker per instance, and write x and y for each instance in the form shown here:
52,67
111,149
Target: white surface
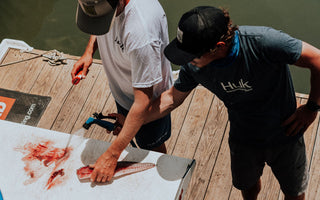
160,182
10,43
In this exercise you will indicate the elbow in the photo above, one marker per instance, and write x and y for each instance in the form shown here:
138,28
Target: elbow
168,104
176,103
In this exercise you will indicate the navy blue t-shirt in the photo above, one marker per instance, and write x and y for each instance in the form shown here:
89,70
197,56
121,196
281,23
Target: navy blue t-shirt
254,83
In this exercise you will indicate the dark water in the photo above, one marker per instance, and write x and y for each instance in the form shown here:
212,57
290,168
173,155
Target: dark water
50,24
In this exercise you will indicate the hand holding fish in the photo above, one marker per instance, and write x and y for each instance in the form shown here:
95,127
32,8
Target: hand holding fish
104,167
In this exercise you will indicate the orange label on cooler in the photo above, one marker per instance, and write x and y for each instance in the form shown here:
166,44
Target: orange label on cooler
6,104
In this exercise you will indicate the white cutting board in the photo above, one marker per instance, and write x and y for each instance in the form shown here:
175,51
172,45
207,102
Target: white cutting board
160,182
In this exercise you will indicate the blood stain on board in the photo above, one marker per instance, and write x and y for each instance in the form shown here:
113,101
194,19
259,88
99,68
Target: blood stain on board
42,159
54,177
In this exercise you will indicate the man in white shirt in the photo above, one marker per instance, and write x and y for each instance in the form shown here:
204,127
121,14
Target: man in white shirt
131,36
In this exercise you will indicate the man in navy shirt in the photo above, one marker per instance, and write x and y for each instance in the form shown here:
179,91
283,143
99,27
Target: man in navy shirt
247,68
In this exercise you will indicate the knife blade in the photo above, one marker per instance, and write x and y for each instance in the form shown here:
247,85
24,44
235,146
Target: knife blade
81,138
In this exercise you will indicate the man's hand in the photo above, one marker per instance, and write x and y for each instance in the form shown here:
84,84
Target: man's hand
82,64
300,120
86,59
104,168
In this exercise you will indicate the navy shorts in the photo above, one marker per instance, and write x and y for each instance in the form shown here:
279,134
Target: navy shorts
288,163
153,134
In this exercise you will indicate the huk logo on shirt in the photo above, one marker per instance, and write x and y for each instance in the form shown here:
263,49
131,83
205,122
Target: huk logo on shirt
240,86
118,42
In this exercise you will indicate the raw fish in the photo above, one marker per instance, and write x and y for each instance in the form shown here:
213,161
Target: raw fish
123,168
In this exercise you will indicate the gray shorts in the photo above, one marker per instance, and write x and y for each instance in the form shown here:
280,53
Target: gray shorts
288,163
153,134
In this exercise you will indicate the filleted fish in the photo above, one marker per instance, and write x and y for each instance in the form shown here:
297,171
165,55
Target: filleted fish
123,168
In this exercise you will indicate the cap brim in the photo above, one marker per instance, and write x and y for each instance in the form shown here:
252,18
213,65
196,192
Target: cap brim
93,25
176,55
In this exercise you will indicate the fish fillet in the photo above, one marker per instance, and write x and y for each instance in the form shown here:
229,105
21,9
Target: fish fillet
123,168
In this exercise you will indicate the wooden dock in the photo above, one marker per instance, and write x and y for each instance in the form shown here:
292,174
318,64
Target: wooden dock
200,125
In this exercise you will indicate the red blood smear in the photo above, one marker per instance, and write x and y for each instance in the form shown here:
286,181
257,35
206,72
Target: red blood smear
180,196
45,154
50,182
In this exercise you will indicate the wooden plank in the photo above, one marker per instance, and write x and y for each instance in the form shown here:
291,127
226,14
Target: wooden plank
47,78
11,74
193,124
208,149
220,182
11,56
270,188
29,77
235,194
313,191
54,82
32,72
96,103
177,120
74,102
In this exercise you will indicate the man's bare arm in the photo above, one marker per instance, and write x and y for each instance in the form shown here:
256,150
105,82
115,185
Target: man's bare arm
303,117
164,104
